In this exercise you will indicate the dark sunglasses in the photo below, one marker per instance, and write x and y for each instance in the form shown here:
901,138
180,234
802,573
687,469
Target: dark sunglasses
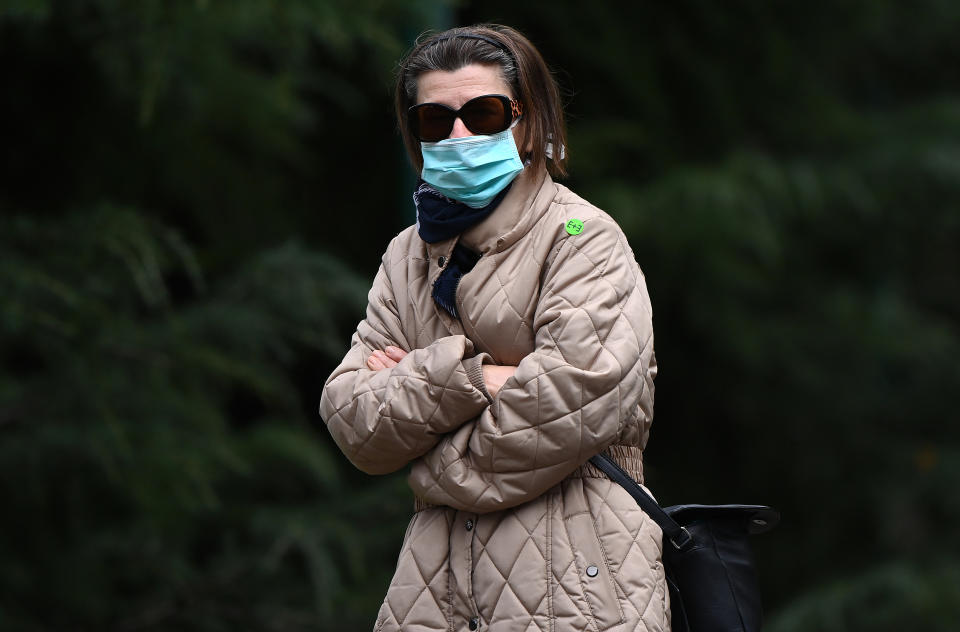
488,114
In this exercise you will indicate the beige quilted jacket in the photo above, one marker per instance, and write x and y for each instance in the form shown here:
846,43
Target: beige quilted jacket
513,531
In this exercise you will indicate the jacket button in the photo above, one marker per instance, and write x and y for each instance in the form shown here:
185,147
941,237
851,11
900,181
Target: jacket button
592,571
469,526
441,260
474,623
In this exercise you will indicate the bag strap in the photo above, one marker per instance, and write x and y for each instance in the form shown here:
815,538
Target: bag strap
678,535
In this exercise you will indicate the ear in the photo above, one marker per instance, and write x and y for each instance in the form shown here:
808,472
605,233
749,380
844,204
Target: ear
522,138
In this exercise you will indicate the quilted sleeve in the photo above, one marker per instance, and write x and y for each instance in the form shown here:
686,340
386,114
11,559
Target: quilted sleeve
590,375
384,419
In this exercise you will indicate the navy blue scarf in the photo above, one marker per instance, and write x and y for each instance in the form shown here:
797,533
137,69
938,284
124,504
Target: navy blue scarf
444,292
439,218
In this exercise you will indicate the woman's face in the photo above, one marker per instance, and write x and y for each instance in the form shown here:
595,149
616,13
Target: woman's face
453,89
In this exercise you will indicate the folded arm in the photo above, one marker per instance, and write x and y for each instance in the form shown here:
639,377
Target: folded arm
382,419
590,375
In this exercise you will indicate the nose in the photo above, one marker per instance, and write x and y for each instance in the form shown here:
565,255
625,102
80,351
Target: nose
459,129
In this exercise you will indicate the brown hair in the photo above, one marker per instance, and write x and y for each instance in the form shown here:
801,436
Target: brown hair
522,67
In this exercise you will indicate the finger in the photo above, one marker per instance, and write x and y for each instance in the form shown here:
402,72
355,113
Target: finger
374,363
395,353
384,360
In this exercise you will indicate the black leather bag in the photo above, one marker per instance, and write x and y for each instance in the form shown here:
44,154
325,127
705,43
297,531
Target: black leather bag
707,556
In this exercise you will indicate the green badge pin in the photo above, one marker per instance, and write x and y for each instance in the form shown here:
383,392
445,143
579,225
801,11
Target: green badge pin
574,226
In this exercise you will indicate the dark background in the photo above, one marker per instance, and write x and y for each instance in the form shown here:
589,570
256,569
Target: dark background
194,196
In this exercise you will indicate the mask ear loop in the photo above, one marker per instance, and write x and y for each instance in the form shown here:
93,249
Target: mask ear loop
526,159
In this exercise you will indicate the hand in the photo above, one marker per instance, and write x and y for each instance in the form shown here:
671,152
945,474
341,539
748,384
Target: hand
494,375
386,359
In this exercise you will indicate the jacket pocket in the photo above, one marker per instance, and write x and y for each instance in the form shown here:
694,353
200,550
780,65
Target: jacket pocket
593,571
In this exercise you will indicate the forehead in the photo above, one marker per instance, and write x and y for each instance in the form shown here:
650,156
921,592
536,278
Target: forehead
454,88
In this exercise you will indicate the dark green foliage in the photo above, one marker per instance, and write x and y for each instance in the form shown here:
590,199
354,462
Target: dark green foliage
886,599
167,467
194,196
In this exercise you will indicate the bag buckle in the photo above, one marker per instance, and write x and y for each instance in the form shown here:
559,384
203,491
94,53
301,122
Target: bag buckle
684,540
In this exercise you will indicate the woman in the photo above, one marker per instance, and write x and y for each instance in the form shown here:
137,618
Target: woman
507,340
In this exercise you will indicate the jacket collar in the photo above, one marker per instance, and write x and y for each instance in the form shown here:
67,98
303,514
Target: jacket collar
527,201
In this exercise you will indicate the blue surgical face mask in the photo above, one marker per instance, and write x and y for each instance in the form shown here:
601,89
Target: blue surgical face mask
473,169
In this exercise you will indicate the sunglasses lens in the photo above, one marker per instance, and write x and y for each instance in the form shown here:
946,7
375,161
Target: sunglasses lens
486,115
432,122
